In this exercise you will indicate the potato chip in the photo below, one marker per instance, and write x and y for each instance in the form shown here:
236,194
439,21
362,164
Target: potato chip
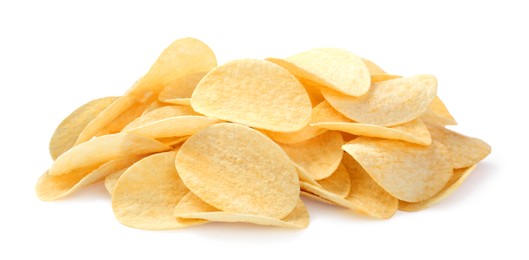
169,122
179,92
255,93
388,103
415,131
182,57
337,69
147,193
373,68
438,114
383,77
51,187
460,175
125,118
466,151
173,141
223,156
317,198
69,129
318,156
313,89
192,207
365,195
91,154
338,183
112,179
304,134
407,171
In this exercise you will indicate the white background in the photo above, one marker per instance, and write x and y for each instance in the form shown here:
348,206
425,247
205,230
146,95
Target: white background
55,56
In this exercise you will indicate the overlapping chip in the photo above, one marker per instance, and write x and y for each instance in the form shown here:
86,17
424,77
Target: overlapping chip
192,142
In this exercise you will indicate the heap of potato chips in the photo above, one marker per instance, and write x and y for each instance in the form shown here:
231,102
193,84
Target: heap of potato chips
192,142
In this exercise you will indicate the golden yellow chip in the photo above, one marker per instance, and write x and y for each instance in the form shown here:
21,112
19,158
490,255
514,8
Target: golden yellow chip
337,69
438,114
69,129
182,57
192,207
466,151
147,193
460,175
169,121
112,179
338,183
318,156
51,187
383,77
179,92
313,89
407,171
373,68
239,170
304,134
415,131
255,93
388,103
92,154
365,195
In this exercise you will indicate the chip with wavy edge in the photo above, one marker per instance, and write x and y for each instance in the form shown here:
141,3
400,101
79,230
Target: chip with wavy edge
407,171
147,192
239,170
466,151
192,207
255,93
184,56
92,154
460,175
387,103
318,156
69,129
326,117
334,68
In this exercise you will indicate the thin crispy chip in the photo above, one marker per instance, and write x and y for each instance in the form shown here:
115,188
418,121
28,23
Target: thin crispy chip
313,89
318,156
112,179
365,195
466,151
173,141
169,121
147,193
407,171
383,77
192,207
92,154
304,134
69,129
327,117
125,118
460,175
388,103
182,57
179,92
373,68
55,187
255,93
338,183
223,156
337,69
317,198
438,114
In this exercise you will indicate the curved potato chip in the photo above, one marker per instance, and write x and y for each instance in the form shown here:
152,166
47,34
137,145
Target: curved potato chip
388,103
313,89
326,117
319,156
304,134
438,114
69,129
179,92
383,77
407,171
460,175
51,187
318,198
112,179
255,93
182,57
147,193
338,183
174,126
466,151
215,160
160,114
373,68
91,154
173,141
192,207
331,67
